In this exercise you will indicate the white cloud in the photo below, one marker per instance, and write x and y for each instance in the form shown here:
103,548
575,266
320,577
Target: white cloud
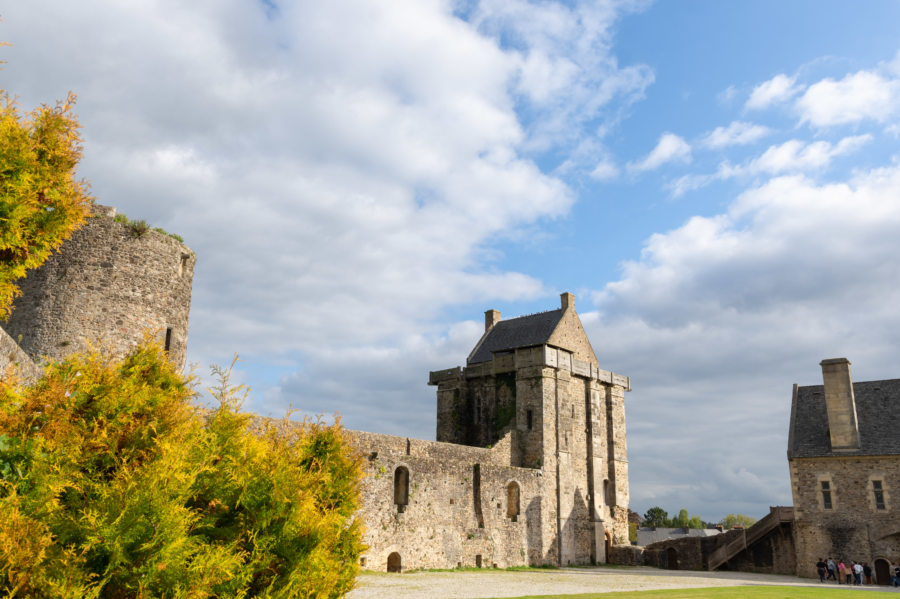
340,173
605,170
779,88
856,97
727,95
736,133
669,148
792,156
566,73
719,317
795,155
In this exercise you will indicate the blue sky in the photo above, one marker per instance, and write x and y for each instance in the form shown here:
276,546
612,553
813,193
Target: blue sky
717,182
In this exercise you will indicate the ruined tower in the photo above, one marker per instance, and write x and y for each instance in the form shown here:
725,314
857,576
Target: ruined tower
108,284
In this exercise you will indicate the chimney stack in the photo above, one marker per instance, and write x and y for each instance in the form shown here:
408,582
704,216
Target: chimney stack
840,404
491,317
567,301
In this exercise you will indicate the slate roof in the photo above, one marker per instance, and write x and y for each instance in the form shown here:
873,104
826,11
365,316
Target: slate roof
523,331
877,413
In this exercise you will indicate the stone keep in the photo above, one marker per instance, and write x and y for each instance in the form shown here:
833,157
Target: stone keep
106,286
530,464
844,460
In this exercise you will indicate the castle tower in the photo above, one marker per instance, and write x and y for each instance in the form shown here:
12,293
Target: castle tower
107,285
536,379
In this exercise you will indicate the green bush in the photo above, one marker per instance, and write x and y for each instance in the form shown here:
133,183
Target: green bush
113,485
41,202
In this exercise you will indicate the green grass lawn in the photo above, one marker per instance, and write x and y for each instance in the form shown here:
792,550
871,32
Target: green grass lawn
740,592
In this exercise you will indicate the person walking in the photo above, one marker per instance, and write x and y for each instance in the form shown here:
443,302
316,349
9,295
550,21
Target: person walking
820,568
857,573
843,574
895,578
831,567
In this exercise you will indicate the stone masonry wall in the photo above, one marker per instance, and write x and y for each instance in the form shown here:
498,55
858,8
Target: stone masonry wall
853,529
446,523
106,286
567,419
11,355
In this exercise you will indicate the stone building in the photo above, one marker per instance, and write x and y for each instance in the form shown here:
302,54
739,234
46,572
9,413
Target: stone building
844,459
530,464
107,285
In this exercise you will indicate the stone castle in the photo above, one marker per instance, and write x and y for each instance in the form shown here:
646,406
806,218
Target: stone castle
530,464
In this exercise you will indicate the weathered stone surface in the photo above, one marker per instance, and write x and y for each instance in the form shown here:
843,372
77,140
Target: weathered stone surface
12,356
537,417
845,469
106,287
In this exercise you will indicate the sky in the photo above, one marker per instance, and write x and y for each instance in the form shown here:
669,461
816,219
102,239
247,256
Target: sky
718,183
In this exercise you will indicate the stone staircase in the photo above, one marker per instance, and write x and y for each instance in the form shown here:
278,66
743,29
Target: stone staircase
776,516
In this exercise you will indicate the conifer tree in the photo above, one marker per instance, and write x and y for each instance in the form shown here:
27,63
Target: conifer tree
41,202
113,485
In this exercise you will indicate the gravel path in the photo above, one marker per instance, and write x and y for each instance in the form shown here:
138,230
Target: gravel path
501,583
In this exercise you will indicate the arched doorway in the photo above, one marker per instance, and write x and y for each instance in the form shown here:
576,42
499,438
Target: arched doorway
671,558
607,547
882,572
393,564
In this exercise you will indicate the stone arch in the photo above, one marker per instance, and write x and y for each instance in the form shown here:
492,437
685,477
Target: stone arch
671,558
512,501
394,563
882,571
607,546
401,488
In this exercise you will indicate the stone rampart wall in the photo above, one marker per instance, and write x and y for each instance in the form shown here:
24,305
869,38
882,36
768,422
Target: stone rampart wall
449,520
106,286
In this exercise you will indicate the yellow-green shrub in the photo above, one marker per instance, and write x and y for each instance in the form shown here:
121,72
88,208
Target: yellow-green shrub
41,202
114,485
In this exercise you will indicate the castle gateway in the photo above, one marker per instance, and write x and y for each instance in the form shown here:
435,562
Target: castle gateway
529,466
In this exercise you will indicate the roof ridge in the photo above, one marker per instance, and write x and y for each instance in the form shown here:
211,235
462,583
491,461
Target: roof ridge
529,315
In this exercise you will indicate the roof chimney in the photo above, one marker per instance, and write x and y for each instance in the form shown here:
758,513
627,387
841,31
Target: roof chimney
567,301
840,404
491,317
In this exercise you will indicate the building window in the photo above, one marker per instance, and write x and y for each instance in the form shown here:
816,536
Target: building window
826,494
168,344
878,492
512,501
529,422
401,488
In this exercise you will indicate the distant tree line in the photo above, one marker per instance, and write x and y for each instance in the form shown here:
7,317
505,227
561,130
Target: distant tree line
659,518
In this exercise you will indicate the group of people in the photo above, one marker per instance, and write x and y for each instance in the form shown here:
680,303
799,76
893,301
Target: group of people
857,572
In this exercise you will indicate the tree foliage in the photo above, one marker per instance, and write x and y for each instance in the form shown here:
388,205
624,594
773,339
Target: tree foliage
113,485
732,520
41,202
656,516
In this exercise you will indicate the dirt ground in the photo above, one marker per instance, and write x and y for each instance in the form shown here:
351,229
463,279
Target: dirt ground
501,583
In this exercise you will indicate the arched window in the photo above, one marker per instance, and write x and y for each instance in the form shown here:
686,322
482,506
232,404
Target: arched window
401,488
512,501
